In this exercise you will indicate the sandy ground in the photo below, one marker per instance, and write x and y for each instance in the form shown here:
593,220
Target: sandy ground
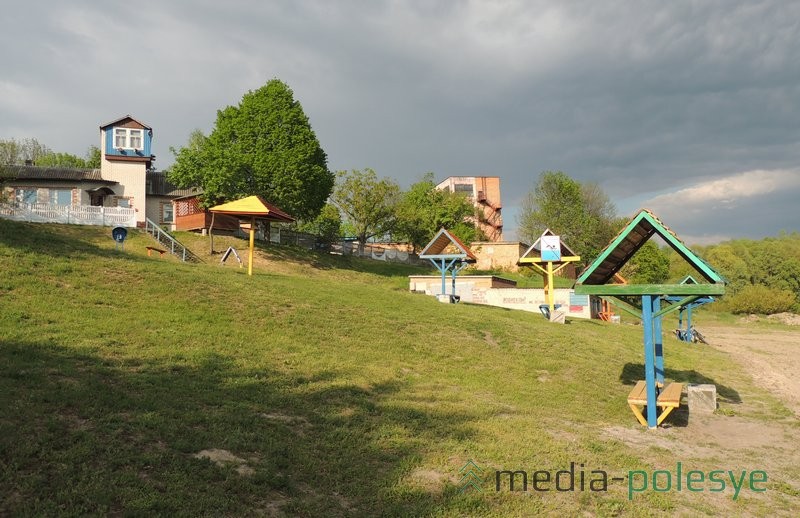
753,438
771,356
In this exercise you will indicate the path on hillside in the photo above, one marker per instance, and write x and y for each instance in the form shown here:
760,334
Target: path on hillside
770,356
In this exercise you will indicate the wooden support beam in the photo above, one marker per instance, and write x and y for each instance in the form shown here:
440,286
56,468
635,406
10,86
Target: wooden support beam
676,305
624,306
650,289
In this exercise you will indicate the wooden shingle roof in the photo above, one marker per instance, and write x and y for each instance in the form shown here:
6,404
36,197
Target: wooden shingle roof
630,239
445,245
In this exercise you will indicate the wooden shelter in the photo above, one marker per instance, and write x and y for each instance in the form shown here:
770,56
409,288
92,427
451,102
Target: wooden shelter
549,254
448,254
594,281
251,209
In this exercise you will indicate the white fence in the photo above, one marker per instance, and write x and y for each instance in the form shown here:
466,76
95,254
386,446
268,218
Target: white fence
71,214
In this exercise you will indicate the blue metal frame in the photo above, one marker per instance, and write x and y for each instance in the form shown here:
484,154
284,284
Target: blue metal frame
682,333
649,358
658,341
454,266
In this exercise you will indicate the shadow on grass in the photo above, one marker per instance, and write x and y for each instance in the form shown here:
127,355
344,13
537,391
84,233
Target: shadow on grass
87,435
633,372
55,240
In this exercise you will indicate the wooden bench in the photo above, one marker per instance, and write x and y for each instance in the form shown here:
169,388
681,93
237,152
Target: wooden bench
668,398
151,249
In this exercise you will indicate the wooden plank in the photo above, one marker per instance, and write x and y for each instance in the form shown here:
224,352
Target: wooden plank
671,395
650,289
638,395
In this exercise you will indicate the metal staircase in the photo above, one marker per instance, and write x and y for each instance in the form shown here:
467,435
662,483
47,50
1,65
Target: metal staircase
169,243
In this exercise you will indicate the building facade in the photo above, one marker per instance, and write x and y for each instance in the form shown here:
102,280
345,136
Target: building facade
484,191
125,180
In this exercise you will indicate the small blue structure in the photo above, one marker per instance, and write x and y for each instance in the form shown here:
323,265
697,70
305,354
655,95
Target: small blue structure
448,254
119,234
685,313
128,139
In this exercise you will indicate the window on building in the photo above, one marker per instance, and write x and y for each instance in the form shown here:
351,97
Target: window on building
127,138
120,138
166,213
124,202
60,196
135,139
464,188
26,195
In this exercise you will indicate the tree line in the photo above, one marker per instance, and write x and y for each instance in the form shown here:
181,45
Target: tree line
762,276
31,151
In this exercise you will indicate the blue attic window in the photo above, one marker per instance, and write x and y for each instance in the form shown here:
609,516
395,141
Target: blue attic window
129,138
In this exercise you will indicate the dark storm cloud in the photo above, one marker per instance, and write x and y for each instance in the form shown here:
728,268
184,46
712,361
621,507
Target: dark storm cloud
641,97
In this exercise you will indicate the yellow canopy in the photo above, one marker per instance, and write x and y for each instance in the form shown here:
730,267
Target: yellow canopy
252,206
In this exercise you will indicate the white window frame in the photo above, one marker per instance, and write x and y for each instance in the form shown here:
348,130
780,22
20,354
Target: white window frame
120,134
20,194
126,136
164,208
53,196
131,132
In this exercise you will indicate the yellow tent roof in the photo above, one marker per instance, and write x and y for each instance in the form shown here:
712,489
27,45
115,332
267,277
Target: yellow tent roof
252,206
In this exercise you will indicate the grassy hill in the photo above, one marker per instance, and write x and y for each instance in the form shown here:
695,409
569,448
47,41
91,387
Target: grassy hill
339,392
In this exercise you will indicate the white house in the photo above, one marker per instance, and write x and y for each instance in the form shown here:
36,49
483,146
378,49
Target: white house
125,190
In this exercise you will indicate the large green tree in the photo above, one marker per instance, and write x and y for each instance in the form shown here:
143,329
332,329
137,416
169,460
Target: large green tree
582,215
424,209
263,146
367,203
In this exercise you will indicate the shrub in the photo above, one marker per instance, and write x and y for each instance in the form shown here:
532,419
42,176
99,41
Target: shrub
762,300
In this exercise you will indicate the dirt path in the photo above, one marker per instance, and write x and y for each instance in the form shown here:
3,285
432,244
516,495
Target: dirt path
770,356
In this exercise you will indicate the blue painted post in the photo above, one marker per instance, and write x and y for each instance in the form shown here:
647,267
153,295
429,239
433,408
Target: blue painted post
658,341
444,278
689,323
649,361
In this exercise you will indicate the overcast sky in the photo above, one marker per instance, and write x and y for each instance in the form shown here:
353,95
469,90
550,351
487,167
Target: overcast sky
689,108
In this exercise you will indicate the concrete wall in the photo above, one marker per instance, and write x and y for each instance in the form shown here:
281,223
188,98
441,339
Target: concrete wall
498,256
474,289
432,284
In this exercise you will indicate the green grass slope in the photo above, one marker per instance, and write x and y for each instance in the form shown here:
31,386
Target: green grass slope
340,392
